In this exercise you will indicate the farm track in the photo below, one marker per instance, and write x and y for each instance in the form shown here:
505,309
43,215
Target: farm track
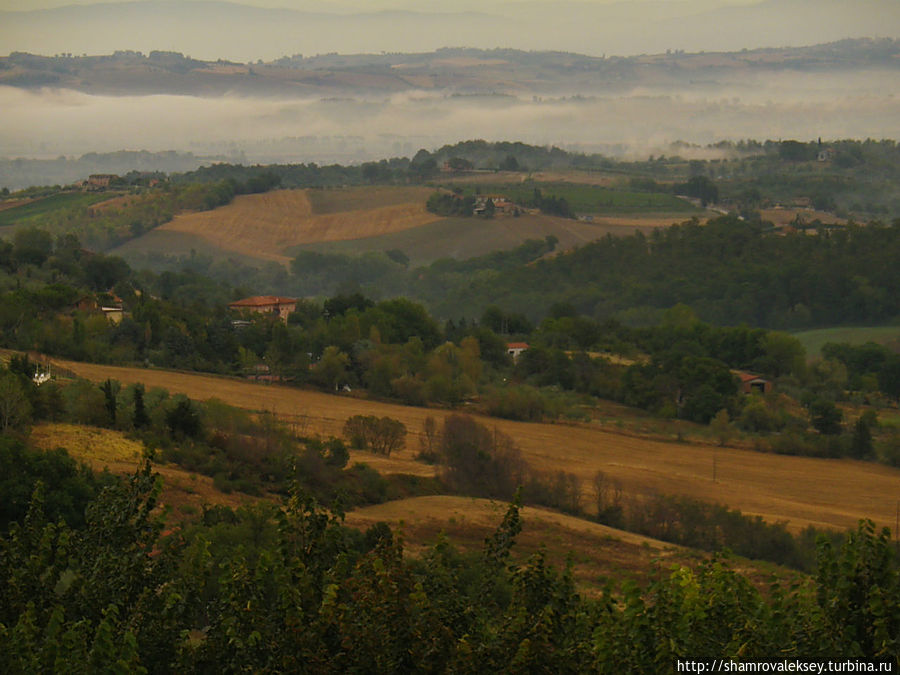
802,491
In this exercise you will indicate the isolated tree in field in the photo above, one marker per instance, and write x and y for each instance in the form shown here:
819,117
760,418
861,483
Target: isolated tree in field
382,435
722,427
479,461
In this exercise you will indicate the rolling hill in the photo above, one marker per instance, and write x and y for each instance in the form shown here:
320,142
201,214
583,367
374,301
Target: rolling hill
274,226
802,491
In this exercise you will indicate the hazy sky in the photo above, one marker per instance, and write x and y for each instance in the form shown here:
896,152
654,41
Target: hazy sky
371,5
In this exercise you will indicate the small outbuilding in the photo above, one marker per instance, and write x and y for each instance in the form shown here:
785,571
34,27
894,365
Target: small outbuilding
751,382
515,349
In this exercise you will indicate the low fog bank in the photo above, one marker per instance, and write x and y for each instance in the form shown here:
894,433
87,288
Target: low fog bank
49,123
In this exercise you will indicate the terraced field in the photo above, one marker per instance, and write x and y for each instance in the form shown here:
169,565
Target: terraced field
803,491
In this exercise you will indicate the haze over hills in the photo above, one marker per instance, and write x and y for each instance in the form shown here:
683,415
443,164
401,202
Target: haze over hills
361,107
212,30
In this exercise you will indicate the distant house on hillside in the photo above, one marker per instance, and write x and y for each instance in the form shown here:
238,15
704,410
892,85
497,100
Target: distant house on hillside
266,304
100,180
753,383
514,349
501,205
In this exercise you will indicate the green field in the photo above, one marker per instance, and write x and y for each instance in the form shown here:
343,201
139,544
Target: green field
463,238
814,340
28,213
593,199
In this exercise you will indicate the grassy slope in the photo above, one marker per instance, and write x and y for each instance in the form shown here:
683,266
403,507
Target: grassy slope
596,199
463,238
105,449
800,490
814,340
27,213
379,218
598,553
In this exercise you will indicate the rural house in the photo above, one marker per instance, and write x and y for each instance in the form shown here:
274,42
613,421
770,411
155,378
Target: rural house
753,383
514,349
100,180
266,304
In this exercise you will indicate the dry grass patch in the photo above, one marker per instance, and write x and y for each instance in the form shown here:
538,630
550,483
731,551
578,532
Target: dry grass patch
340,200
98,448
598,553
101,449
785,216
801,490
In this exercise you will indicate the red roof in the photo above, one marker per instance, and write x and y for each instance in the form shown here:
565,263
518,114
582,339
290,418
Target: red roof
517,345
746,377
262,301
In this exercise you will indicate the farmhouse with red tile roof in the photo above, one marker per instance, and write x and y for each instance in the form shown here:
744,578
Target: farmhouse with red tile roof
266,304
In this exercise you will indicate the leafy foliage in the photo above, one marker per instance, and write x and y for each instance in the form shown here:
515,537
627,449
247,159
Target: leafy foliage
312,594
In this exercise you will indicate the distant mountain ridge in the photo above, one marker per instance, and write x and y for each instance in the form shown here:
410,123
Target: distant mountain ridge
210,29
451,71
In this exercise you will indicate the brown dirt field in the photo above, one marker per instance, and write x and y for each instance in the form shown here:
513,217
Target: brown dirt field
101,449
800,490
264,225
598,552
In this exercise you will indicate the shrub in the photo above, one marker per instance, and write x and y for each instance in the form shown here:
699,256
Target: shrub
382,435
480,462
515,403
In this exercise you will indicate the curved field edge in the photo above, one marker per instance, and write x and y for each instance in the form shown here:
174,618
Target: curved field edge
265,225
799,490
597,552
108,450
814,340
463,238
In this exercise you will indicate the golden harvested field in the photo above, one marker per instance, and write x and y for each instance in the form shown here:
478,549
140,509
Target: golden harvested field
339,200
642,222
264,225
598,552
786,216
108,449
803,491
